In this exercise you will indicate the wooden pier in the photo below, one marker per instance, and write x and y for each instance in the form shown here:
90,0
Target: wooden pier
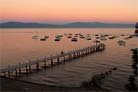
18,70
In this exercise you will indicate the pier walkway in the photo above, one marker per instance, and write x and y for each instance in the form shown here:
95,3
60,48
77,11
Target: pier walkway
26,68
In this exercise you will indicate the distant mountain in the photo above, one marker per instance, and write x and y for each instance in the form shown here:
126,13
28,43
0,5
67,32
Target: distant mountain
24,25
98,25
68,25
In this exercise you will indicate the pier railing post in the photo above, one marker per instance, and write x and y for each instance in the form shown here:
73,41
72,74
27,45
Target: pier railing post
64,57
44,64
9,73
26,69
58,59
52,62
16,72
29,68
37,66
19,70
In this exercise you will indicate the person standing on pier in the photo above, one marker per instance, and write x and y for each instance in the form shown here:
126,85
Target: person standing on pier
62,53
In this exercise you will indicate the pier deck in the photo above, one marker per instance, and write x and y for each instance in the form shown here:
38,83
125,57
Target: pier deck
66,56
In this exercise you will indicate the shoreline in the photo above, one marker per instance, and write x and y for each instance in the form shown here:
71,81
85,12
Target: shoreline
9,84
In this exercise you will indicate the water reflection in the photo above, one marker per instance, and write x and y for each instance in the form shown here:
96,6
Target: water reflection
17,46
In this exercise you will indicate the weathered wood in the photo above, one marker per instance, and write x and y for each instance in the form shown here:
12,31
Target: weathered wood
26,69
45,64
19,70
58,60
66,56
16,72
52,62
37,66
29,68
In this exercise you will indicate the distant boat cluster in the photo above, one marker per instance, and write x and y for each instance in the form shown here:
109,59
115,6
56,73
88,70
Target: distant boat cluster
96,38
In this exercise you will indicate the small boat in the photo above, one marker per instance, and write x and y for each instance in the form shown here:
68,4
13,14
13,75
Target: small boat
103,38
74,39
87,34
135,49
35,37
57,39
96,41
46,37
65,34
106,35
97,37
69,36
88,38
75,35
121,43
122,34
82,37
133,36
126,38
111,37
58,36
42,39
80,34
61,35
116,36
130,36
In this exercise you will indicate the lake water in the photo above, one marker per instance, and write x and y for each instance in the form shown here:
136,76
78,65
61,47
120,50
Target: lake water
17,46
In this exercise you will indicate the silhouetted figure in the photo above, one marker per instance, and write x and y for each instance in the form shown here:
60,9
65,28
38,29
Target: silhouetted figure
62,53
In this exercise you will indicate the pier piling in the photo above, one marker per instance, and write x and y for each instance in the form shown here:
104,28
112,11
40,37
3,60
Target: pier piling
68,56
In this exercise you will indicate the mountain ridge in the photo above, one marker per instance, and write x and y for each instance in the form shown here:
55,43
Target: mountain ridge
13,24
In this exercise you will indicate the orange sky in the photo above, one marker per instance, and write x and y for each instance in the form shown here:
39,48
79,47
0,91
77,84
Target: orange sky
61,11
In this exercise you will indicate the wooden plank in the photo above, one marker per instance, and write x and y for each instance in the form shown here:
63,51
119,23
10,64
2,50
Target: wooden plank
14,67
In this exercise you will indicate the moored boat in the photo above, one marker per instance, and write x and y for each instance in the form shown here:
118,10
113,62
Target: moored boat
35,37
69,36
57,39
103,38
46,37
111,37
88,38
96,41
97,37
121,43
74,39
82,36
42,39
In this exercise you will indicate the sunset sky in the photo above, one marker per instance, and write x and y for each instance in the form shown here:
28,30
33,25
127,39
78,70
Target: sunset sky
64,11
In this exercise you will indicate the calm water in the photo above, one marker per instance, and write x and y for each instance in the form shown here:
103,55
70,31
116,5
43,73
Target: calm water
17,46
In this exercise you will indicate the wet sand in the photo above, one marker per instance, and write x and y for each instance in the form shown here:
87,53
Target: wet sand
14,85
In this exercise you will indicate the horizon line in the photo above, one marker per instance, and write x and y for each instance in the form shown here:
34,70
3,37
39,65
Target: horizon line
70,22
